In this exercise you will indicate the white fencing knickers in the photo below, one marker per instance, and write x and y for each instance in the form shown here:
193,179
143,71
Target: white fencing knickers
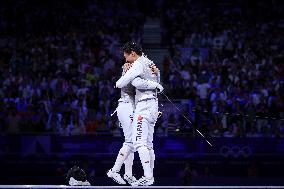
125,117
144,119
126,155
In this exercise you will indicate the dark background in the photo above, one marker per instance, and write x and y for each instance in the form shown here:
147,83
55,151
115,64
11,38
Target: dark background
221,63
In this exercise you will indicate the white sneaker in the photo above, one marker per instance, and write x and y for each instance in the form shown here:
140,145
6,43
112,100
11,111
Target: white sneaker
115,177
129,179
74,182
143,181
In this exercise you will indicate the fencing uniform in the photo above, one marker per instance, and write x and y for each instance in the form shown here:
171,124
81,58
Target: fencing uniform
145,113
125,111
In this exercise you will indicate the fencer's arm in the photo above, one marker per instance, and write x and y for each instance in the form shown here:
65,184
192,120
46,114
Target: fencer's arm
135,70
140,83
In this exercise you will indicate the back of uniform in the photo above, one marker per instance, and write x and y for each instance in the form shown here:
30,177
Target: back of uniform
144,119
147,73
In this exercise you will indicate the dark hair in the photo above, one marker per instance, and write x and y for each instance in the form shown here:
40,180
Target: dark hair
132,46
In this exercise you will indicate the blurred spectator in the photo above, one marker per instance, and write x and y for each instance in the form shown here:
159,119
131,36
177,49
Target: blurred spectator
230,56
225,58
60,73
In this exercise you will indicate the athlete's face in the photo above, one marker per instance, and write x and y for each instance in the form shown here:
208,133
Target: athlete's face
130,58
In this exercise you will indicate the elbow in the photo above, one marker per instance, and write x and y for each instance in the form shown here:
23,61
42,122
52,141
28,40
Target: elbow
134,84
118,85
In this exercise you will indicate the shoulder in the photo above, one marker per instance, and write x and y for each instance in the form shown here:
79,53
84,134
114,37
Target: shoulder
138,64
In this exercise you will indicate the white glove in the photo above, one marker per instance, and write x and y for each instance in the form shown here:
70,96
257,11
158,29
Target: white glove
160,88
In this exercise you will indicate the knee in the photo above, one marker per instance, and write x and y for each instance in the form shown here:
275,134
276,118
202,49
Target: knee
139,144
129,145
128,140
150,145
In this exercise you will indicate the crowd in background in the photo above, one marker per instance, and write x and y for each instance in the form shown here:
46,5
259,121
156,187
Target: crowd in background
59,62
227,58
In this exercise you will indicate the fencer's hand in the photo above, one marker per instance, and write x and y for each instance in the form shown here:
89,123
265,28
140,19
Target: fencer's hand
154,69
126,67
160,88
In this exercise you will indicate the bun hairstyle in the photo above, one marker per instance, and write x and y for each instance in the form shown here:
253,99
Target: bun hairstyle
132,46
